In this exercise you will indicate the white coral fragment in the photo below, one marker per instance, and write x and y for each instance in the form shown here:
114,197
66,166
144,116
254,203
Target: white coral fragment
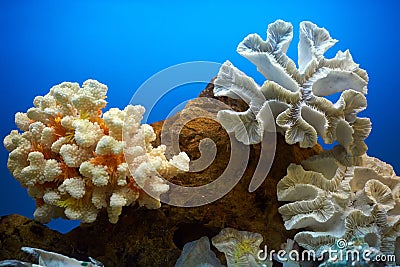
97,173
22,121
114,119
39,170
107,145
313,44
296,95
270,56
180,161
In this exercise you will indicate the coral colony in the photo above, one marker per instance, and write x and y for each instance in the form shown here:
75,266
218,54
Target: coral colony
70,155
295,96
50,259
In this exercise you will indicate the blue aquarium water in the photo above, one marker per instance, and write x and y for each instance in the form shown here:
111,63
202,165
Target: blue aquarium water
123,43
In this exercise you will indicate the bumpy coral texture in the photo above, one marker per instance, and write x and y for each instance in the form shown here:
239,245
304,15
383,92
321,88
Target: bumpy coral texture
71,158
295,97
333,199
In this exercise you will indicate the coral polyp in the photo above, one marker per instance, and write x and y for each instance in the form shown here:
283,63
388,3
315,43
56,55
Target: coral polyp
70,155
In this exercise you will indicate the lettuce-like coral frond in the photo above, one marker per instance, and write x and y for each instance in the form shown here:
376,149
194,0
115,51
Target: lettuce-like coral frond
270,56
296,97
314,42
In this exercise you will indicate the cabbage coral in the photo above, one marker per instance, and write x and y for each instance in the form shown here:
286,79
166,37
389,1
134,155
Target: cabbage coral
71,156
295,97
334,200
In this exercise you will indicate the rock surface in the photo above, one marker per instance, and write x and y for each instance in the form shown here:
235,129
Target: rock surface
155,237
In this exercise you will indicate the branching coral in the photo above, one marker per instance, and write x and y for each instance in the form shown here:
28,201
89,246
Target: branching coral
71,158
296,96
332,201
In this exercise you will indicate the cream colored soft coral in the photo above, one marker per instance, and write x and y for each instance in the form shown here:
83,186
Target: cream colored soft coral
71,156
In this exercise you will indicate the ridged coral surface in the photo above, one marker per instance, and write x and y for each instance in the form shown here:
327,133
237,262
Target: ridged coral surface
332,199
295,97
71,156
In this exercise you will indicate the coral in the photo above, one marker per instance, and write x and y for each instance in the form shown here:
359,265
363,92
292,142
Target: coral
71,158
289,247
48,259
295,97
154,237
240,247
198,253
332,201
356,253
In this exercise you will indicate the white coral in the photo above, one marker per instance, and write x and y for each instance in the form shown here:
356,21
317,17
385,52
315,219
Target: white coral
108,145
74,187
86,133
22,121
180,161
122,173
52,197
99,197
74,155
63,94
43,213
332,201
295,97
241,248
72,159
90,98
114,119
97,173
39,170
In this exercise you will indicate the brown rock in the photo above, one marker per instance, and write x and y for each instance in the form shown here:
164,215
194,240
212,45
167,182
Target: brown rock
155,237
17,231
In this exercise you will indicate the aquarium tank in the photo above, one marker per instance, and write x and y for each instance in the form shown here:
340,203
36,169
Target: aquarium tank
213,133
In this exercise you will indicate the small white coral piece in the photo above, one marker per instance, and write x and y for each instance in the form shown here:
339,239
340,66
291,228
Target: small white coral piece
73,186
114,119
22,121
97,173
52,197
73,155
39,169
90,98
86,132
240,247
180,161
108,145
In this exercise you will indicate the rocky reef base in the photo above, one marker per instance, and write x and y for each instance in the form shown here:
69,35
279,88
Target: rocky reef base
156,237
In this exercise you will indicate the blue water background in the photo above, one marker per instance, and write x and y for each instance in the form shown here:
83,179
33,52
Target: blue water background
123,43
